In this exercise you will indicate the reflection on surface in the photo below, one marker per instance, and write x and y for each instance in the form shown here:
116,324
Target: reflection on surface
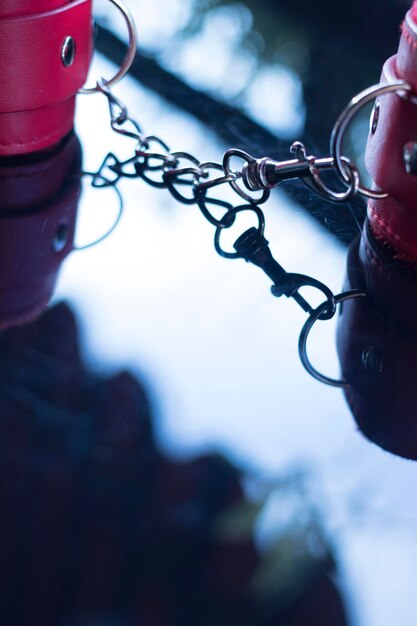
38,206
220,355
377,345
99,528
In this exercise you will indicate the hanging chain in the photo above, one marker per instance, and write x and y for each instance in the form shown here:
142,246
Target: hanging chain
193,182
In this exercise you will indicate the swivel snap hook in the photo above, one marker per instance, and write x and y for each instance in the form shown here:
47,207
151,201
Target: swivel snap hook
254,248
267,173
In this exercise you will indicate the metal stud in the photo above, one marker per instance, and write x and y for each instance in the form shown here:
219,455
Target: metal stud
68,51
374,118
61,238
410,157
371,361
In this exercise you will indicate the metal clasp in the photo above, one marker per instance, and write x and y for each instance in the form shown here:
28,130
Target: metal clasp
267,173
254,248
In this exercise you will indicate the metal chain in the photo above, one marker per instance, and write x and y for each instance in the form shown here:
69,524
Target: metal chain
192,182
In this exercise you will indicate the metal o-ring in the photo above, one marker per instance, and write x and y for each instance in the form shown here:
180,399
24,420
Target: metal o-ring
302,343
241,154
343,122
131,52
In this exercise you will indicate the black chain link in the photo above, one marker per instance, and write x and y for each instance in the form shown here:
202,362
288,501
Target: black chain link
190,181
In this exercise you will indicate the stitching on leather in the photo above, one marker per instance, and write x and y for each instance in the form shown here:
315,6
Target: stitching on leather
373,257
408,37
57,11
34,141
377,264
382,223
56,20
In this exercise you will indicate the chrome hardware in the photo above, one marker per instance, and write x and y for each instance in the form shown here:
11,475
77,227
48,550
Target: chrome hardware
266,173
68,51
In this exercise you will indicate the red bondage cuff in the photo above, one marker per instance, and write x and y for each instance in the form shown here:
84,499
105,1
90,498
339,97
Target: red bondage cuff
38,89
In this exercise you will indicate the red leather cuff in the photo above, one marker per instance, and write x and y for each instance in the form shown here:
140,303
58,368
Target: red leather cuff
37,97
394,220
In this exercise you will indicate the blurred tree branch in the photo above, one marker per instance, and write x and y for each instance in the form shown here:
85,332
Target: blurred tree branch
235,128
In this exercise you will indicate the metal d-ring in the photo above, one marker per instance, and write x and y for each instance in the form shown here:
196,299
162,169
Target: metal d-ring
131,51
302,343
342,124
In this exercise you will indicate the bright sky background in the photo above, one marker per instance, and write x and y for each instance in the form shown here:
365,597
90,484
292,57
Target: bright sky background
220,353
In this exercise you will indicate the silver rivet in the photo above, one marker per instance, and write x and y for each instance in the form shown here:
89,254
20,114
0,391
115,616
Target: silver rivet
61,238
373,125
68,51
410,157
371,361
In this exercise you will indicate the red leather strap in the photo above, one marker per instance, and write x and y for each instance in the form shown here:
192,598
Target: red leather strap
394,219
37,97
9,8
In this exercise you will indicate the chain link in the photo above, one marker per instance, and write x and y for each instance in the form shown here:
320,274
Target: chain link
190,182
